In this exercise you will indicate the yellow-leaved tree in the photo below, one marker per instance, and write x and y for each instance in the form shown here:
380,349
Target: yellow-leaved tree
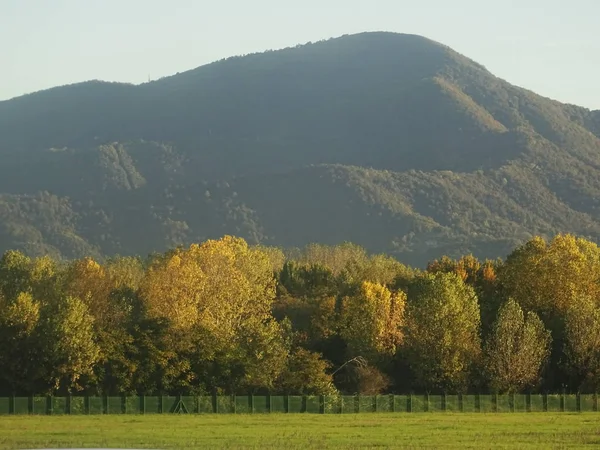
548,278
222,292
218,284
89,281
372,320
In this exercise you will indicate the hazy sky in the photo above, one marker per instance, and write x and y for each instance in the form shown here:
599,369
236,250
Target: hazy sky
549,46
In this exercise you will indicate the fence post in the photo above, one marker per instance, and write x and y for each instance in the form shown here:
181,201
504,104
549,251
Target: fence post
105,406
545,402
234,403
321,404
142,404
123,404
562,401
495,403
427,402
86,405
303,408
528,402
11,404
251,403
595,404
392,403
478,402
374,403
511,400
69,405
578,401
286,403
49,405
30,404
444,402
357,403
215,402
409,403
461,406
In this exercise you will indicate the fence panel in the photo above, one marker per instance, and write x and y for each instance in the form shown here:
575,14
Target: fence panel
504,403
278,404
401,403
452,403
587,403
344,404
153,404
571,404
313,404
384,403
295,404
78,405
186,405
486,404
347,404
332,404
59,405
261,405
39,405
5,406
537,403
205,404
21,405
470,403
418,403
134,405
554,402
114,405
520,403
225,403
436,403
242,404
366,403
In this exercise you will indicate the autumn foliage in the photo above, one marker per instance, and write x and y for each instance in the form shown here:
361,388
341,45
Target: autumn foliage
223,316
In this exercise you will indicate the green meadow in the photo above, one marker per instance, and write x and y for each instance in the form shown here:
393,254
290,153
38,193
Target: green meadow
423,430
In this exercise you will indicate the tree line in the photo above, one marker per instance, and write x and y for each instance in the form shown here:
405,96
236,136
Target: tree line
226,317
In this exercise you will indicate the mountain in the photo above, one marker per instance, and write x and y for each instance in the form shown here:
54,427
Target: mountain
392,141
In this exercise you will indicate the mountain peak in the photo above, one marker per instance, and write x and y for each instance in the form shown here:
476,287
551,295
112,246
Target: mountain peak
391,140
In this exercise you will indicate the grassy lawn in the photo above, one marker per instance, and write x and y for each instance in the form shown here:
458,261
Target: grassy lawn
525,430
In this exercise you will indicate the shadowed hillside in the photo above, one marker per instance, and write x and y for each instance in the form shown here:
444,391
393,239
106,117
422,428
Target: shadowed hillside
391,141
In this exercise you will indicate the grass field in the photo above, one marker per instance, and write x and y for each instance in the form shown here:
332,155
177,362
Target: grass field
435,430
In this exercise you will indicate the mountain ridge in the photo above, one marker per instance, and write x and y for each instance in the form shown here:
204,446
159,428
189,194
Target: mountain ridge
433,152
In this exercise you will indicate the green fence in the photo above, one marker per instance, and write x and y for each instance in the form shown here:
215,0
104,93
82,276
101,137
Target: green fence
344,404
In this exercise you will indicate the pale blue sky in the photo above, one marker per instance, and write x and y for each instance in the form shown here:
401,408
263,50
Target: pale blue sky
549,46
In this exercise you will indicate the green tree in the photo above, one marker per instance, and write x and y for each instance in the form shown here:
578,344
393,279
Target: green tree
71,350
441,337
582,344
306,374
516,349
20,345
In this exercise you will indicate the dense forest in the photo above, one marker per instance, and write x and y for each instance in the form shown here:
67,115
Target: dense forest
224,316
391,141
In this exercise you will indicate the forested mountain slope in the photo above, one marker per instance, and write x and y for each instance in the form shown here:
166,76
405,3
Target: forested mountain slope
391,141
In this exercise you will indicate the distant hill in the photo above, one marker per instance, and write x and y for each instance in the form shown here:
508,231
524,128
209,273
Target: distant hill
392,141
